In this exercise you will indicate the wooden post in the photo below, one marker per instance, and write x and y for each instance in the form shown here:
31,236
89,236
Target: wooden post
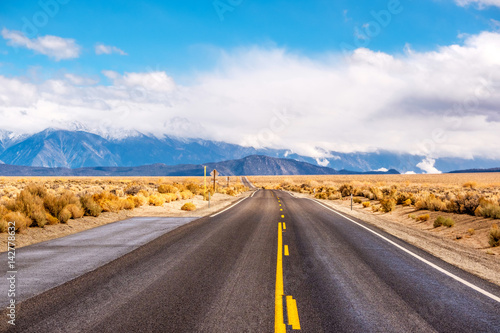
205,183
351,201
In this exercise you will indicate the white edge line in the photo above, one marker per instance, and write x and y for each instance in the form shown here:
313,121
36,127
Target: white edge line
442,270
222,211
254,193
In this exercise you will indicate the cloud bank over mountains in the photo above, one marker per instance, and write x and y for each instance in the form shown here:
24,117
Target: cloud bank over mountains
437,103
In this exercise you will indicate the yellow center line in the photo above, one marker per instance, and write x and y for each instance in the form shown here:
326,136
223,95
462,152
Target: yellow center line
284,226
279,325
292,313
282,216
286,250
281,209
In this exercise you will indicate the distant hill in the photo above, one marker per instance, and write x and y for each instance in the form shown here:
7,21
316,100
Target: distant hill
250,165
476,170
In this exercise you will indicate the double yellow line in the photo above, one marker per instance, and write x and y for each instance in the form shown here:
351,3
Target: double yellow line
291,304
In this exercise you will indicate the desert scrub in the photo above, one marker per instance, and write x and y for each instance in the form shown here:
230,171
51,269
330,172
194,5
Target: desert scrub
444,221
494,237
21,220
423,218
488,208
156,200
188,206
471,231
387,205
90,207
29,203
366,204
356,200
164,188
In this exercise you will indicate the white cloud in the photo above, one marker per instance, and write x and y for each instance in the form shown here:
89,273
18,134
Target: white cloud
52,46
107,49
437,103
410,173
479,3
322,162
382,170
427,165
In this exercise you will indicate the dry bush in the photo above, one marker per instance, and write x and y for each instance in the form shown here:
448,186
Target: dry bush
366,204
90,207
334,196
76,210
186,194
169,197
167,189
139,200
444,221
356,200
128,203
423,218
471,231
488,208
64,215
4,225
108,201
387,205
55,204
31,205
407,202
375,209
195,189
321,195
22,222
470,185
494,237
188,206
156,200
51,219
133,190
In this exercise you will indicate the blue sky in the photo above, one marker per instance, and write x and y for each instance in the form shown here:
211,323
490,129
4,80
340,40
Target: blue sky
410,76
178,36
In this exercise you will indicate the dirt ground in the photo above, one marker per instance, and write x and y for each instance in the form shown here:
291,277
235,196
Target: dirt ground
454,245
172,209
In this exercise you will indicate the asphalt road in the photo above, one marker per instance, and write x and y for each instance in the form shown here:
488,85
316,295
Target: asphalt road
259,266
76,254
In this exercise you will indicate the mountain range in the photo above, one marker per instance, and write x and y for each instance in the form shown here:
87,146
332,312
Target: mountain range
57,148
250,165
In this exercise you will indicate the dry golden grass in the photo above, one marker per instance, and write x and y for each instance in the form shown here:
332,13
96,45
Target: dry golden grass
36,201
460,194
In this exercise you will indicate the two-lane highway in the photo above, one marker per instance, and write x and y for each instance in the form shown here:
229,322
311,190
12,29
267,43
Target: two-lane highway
270,263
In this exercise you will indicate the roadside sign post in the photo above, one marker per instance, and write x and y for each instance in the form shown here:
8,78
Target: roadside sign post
205,183
214,173
208,199
227,181
351,201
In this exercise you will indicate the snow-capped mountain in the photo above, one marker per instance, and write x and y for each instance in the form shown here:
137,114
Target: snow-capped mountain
86,148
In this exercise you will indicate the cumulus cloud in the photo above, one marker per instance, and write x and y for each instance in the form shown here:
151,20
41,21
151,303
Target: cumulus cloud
427,165
480,3
437,103
107,49
382,170
52,46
